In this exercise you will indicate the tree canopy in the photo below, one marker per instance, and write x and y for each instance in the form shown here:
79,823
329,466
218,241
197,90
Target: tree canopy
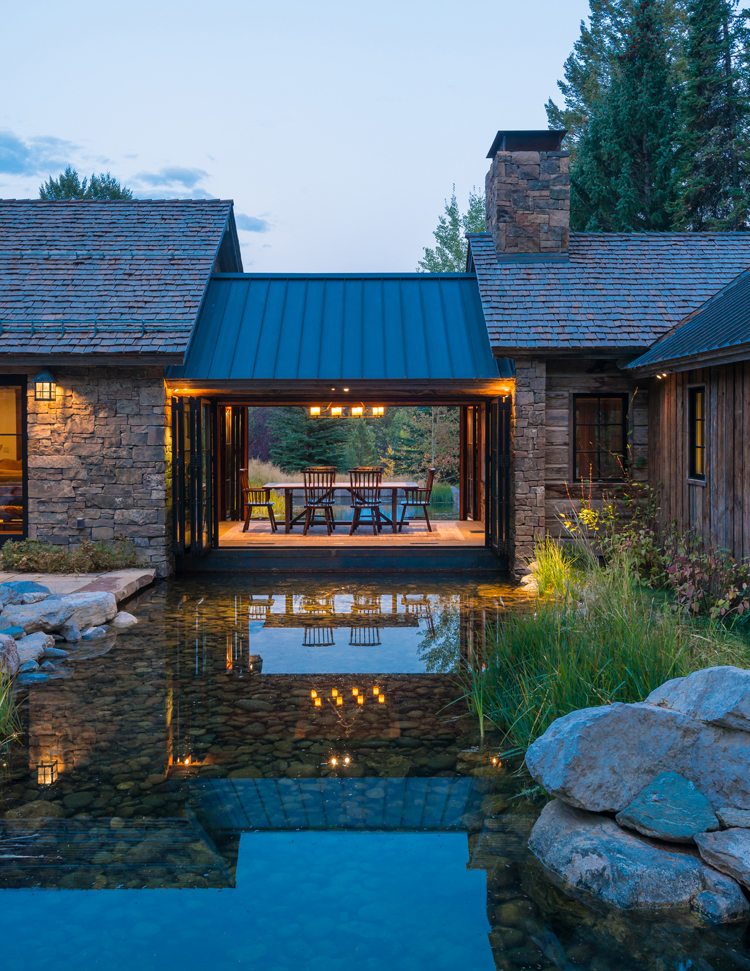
68,185
449,255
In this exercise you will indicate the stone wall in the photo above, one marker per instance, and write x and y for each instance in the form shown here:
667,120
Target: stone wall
528,434
100,452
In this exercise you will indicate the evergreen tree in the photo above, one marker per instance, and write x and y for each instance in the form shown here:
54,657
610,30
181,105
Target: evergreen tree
301,439
68,185
623,179
449,255
360,448
714,115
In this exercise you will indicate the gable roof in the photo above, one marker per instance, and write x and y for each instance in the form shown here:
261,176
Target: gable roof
120,277
286,327
617,292
717,333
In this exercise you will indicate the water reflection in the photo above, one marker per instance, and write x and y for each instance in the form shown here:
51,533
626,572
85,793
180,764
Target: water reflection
333,816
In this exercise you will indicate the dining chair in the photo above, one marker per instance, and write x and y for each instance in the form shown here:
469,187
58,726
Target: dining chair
320,487
418,498
364,486
255,499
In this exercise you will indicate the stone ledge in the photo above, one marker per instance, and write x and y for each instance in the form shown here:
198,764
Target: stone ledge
121,583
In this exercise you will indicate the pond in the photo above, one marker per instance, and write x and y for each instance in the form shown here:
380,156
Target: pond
281,775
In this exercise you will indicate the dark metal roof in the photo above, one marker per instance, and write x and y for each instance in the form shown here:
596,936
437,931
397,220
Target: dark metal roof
284,327
542,140
718,331
119,277
615,291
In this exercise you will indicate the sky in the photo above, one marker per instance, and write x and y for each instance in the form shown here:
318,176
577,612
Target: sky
338,127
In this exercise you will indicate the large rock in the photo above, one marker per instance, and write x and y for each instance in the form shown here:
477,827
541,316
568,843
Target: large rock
91,609
33,646
733,818
728,851
719,696
15,591
48,615
589,854
10,662
669,808
601,758
124,620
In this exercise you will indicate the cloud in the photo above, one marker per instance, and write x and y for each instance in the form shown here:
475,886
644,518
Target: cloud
33,155
166,193
173,175
252,224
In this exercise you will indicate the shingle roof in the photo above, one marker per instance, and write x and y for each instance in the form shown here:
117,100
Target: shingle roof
289,327
719,331
123,277
615,291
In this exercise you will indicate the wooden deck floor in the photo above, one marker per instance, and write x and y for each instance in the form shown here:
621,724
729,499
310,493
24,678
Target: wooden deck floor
444,533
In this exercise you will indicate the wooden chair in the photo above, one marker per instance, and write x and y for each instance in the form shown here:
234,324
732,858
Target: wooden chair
320,488
255,499
418,497
364,485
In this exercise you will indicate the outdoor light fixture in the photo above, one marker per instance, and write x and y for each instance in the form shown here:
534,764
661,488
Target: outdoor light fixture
46,773
359,410
44,387
337,410
378,411
315,410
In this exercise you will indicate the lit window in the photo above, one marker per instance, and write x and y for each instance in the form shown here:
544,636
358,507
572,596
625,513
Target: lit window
599,436
697,433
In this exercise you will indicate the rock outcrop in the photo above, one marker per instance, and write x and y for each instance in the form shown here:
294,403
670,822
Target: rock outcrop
718,696
728,851
591,854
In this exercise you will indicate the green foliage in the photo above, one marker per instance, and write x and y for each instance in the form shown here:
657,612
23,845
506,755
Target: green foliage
360,447
68,185
33,556
449,255
426,438
301,439
714,112
10,721
442,494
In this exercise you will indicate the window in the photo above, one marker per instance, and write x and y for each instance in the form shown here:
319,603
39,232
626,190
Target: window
12,490
599,437
697,433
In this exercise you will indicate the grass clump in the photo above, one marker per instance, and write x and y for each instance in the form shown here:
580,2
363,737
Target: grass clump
442,494
33,556
10,722
260,472
594,636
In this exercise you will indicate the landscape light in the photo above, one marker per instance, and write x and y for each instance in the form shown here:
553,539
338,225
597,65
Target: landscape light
44,387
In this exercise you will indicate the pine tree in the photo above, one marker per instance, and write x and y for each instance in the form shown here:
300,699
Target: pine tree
68,185
303,439
449,256
360,448
623,179
714,118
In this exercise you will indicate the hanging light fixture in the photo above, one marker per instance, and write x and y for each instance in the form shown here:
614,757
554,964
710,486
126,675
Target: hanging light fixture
378,411
315,410
44,387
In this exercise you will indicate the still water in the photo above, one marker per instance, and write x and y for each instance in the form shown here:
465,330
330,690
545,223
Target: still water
282,776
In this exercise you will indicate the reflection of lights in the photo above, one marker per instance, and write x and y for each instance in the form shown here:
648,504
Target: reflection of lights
360,699
46,773
334,761
347,760
375,690
313,694
355,691
334,692
318,702
381,699
187,761
339,700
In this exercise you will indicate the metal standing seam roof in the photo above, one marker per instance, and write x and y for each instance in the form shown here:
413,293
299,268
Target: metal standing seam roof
721,328
414,326
116,277
614,290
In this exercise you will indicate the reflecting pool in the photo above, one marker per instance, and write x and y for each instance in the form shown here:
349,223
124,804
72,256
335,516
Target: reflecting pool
282,775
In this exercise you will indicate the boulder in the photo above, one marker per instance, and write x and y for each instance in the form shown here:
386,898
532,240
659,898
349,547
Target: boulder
94,633
91,609
733,818
123,619
589,854
718,696
48,615
71,633
601,758
728,851
28,667
14,591
33,646
9,659
669,808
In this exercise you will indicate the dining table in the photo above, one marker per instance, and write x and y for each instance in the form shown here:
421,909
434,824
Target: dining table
289,488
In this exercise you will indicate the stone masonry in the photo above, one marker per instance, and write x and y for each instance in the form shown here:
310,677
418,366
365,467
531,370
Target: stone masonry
528,434
528,202
100,453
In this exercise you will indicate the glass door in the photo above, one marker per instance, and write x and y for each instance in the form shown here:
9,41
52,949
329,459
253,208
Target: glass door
498,473
12,459
204,467
193,437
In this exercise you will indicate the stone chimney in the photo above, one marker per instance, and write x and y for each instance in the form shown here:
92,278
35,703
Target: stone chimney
528,193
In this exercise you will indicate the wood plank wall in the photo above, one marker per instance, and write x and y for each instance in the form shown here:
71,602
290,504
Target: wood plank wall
566,378
719,511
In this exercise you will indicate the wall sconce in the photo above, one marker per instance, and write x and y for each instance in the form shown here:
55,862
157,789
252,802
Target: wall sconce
44,387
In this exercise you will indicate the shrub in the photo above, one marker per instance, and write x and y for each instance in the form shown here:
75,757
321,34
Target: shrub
33,556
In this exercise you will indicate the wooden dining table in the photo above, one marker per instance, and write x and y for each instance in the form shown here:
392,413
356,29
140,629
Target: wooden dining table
289,488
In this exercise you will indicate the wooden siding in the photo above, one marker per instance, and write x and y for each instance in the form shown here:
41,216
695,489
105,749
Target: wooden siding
566,378
719,510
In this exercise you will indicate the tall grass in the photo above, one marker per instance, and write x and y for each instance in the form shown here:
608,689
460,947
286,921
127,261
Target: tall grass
596,636
260,472
10,722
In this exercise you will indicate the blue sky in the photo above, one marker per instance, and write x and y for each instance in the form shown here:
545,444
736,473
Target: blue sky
337,127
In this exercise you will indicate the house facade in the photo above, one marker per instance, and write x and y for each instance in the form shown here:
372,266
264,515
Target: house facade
131,341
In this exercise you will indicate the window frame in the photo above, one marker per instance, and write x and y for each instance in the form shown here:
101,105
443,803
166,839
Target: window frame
692,474
20,381
598,395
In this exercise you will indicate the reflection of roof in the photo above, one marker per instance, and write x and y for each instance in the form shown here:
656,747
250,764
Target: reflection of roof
717,333
340,326
108,277
618,291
